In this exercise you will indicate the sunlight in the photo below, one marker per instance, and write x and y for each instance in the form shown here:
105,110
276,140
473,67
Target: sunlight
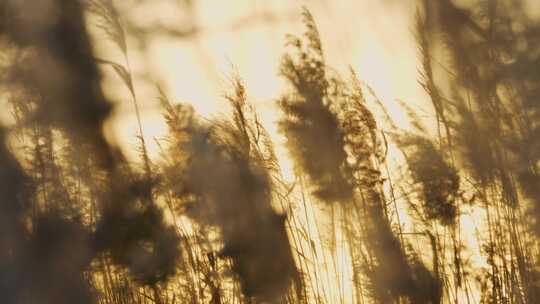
247,151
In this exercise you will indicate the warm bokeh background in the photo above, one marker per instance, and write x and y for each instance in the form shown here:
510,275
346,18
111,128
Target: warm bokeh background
195,47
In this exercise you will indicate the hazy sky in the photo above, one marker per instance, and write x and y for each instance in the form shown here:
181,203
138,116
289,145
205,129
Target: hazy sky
374,37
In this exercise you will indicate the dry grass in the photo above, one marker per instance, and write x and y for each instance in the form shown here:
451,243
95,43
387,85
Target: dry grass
213,221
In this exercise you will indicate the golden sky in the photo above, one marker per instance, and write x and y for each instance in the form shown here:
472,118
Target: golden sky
374,37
